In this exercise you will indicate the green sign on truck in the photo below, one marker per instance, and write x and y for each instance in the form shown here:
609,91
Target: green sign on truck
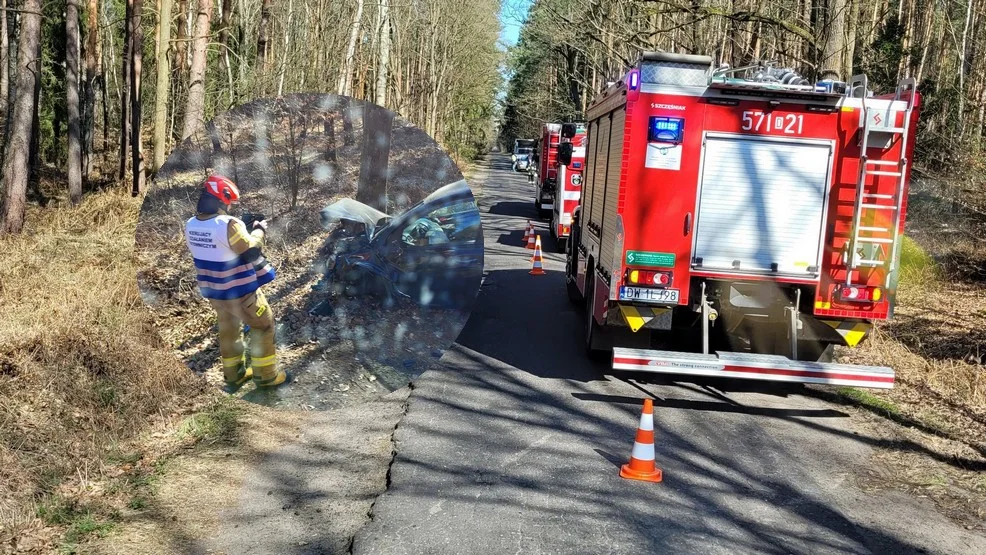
645,258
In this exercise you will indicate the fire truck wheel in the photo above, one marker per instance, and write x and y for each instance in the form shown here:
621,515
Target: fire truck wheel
574,294
593,331
560,243
571,261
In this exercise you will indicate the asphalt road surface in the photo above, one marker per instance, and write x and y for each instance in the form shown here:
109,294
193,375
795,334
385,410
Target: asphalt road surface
515,445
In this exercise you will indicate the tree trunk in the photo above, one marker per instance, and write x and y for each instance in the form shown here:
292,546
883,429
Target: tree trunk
383,60
330,139
125,94
963,63
224,19
15,163
181,39
195,105
372,188
72,100
849,37
224,47
287,45
4,62
263,36
35,152
136,67
92,55
346,75
163,86
833,39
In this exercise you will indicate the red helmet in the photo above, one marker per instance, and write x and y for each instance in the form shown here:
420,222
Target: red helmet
222,188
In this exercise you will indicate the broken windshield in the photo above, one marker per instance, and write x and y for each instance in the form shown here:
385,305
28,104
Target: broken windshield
352,210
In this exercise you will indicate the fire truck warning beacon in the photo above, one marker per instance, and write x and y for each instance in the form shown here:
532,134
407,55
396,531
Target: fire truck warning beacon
736,222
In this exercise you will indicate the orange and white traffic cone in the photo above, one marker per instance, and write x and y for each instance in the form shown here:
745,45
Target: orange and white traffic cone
642,465
537,269
530,239
528,233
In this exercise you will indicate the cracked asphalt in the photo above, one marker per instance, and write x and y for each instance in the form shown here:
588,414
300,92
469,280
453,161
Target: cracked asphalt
514,445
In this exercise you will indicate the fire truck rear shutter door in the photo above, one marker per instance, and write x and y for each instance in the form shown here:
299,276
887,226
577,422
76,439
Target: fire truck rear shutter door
761,205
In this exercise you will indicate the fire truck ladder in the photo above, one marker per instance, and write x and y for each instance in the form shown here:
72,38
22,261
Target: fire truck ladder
882,244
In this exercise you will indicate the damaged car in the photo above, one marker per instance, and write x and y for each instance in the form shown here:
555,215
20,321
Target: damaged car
431,254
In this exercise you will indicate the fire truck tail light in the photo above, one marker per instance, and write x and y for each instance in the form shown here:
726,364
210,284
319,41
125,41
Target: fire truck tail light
861,294
633,80
644,277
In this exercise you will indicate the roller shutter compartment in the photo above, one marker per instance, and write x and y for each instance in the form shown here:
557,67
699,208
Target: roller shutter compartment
762,205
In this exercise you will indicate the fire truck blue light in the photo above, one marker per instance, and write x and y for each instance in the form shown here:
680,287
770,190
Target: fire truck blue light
665,129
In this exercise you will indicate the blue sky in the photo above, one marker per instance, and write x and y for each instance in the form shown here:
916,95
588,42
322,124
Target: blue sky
512,14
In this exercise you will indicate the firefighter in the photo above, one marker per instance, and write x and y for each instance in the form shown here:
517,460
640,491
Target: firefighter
230,280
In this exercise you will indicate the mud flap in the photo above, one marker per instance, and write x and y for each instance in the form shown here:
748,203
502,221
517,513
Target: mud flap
652,318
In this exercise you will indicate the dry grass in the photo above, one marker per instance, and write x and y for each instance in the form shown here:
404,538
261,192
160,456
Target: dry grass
82,368
936,343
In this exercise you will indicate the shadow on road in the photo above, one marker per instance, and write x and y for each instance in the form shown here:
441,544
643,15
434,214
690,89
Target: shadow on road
513,208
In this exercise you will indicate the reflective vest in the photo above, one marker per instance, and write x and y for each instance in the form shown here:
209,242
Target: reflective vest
220,271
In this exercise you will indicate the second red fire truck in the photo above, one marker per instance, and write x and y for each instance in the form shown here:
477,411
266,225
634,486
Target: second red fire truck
558,187
740,223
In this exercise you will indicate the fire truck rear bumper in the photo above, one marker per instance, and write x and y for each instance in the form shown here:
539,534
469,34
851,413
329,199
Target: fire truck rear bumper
752,367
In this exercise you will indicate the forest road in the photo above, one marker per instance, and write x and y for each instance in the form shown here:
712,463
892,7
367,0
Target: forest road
515,444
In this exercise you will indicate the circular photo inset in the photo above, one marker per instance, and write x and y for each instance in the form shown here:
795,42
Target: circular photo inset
309,252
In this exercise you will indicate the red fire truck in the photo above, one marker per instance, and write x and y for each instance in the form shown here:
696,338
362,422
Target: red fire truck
567,187
747,218
547,171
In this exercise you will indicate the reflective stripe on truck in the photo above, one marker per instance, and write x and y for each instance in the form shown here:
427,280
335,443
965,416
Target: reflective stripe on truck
752,366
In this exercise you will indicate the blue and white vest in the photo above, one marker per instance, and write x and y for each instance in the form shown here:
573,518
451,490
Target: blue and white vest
220,271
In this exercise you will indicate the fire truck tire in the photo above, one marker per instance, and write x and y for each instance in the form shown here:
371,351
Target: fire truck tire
571,263
573,292
593,332
561,244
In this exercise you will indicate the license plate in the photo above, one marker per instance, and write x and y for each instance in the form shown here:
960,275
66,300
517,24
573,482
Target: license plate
649,295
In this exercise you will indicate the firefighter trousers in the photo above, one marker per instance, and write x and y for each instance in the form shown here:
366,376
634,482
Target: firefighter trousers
253,311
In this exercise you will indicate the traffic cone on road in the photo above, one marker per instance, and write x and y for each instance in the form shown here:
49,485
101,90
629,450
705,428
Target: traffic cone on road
530,238
528,233
642,465
537,269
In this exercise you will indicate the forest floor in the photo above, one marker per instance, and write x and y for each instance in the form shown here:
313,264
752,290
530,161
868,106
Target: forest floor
935,444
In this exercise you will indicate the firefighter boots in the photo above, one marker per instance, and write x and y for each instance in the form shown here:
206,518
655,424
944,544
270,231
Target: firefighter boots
253,311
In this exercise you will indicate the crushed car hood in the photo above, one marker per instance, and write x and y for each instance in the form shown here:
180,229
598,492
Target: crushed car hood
354,211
